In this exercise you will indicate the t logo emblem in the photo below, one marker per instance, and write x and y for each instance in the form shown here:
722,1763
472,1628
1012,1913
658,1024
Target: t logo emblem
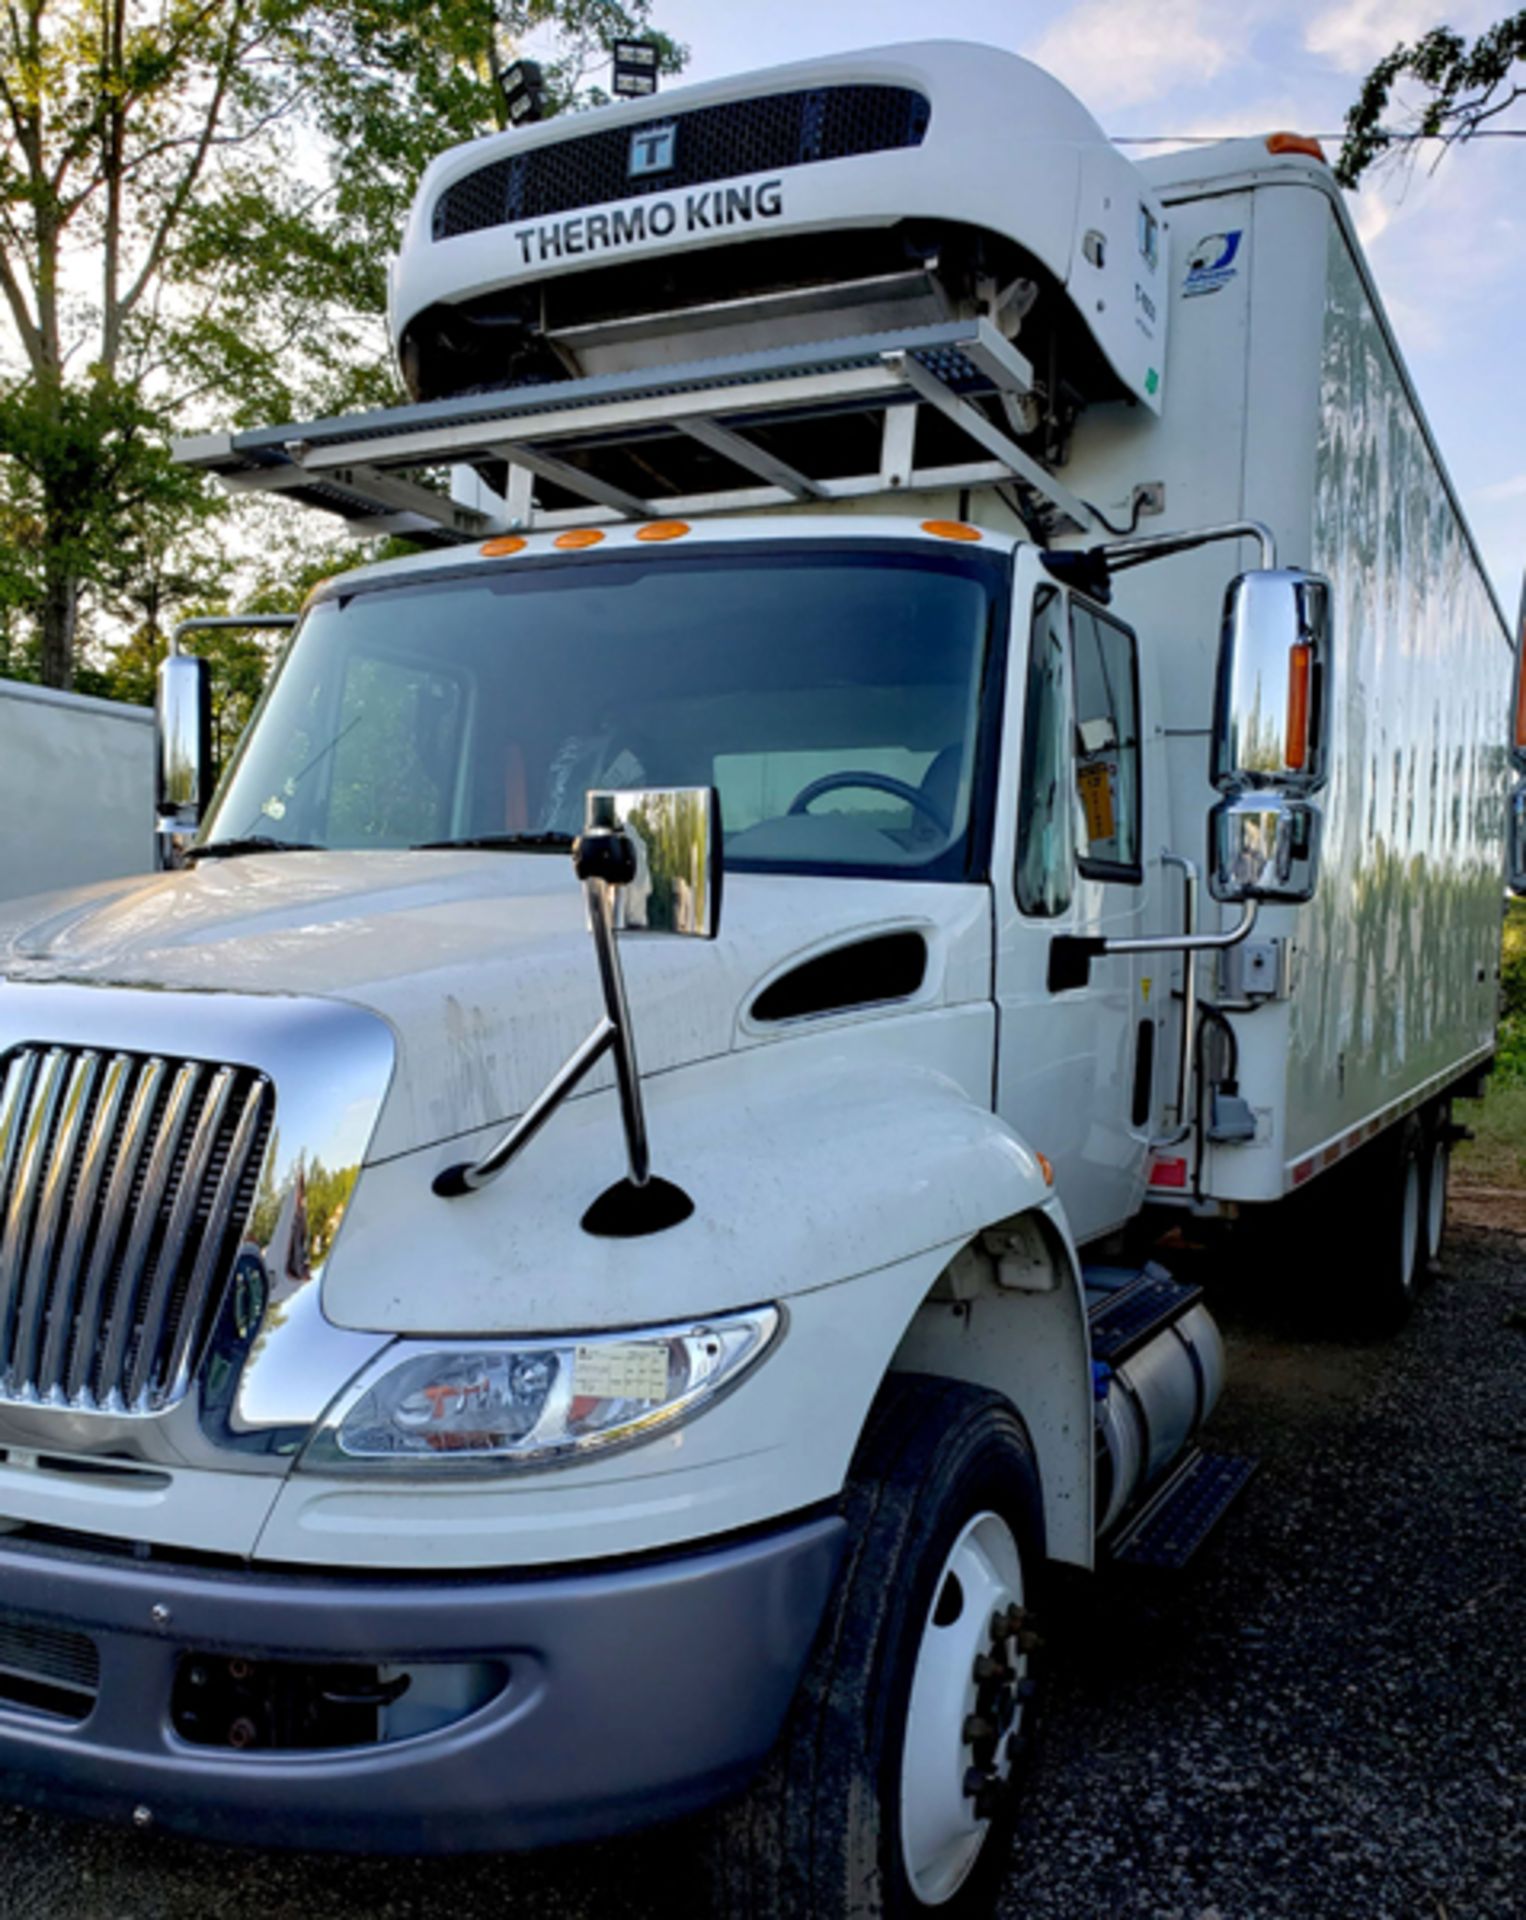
651,151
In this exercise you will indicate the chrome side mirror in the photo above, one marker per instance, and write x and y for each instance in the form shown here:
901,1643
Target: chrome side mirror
1271,702
1263,847
183,716
1271,737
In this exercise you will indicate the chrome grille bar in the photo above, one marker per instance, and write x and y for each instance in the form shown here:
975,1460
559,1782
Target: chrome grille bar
177,1369
45,1234
109,1230
172,1251
23,1198
82,1215
125,1184
122,1316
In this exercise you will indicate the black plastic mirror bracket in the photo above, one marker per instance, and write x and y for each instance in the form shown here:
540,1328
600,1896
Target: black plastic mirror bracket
1070,960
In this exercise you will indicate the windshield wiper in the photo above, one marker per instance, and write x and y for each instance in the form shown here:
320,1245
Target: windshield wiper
500,843
251,843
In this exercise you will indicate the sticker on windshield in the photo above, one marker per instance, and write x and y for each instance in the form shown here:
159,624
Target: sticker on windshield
1211,263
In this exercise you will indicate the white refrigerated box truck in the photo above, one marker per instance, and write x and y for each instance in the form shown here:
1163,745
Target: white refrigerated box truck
77,789
1031,578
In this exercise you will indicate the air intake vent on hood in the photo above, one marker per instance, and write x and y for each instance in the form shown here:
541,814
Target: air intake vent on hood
890,966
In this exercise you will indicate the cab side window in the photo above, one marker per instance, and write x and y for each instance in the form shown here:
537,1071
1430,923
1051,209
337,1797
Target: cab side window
1046,823
1107,754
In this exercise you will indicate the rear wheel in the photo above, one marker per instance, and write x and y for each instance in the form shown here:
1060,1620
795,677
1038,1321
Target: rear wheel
893,1789
1436,1168
1385,1229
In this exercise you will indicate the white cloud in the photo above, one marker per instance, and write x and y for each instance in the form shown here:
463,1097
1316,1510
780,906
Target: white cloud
1116,53
1355,35
1512,489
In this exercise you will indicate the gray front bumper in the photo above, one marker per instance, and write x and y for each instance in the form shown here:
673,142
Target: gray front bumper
636,1693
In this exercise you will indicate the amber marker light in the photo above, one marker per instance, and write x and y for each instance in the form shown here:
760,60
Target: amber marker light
663,530
1045,1168
1300,668
1520,693
578,537
1295,143
950,530
505,543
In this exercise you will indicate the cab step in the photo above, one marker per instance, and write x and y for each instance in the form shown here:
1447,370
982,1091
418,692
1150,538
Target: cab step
1180,1515
1126,1317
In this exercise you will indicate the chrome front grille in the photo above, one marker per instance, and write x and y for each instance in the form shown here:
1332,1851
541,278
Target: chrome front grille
126,1184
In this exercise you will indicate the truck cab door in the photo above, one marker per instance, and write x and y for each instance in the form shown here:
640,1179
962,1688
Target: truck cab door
1076,1068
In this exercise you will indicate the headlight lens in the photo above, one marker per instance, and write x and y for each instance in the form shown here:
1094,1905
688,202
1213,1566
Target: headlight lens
530,1403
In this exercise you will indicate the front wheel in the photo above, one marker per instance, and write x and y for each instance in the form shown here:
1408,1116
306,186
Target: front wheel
893,1789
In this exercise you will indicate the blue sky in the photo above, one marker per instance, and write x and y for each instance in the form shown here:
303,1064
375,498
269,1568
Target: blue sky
1448,249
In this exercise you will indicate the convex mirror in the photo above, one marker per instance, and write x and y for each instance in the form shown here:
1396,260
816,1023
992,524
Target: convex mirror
1263,847
675,833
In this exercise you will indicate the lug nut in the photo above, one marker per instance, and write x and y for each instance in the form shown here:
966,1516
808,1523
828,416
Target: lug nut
977,1729
1028,1640
243,1733
988,1669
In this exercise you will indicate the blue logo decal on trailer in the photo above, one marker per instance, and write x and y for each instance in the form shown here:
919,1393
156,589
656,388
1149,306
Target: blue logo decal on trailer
1211,263
652,151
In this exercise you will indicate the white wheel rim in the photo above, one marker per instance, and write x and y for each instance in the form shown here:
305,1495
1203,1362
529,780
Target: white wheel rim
942,1833
1436,1199
1410,1235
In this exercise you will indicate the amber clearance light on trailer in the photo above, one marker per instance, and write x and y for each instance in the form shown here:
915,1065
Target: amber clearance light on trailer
1519,740
1295,143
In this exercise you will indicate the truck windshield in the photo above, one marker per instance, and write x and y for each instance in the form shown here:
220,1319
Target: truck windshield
832,695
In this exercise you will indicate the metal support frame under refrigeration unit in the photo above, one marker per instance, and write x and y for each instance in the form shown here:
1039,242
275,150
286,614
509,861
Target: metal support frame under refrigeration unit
365,468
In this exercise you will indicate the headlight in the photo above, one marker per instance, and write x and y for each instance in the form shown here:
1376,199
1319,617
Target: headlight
427,1406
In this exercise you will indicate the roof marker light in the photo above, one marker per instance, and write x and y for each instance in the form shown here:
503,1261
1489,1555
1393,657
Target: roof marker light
505,543
1295,143
663,530
578,537
951,530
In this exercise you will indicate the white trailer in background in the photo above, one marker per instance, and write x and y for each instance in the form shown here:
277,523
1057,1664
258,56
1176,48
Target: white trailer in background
1031,576
75,777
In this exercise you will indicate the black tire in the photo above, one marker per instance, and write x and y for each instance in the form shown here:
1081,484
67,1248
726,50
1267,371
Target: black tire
1382,1234
1435,1169
819,1836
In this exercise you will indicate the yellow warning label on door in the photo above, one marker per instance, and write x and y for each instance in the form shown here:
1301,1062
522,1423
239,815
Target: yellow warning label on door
1096,787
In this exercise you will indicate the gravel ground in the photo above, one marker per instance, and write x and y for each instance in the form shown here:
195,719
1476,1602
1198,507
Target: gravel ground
1325,1718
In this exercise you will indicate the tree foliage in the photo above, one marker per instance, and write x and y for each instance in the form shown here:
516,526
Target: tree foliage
197,200
1468,86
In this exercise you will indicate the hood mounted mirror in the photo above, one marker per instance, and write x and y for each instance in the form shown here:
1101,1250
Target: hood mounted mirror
649,860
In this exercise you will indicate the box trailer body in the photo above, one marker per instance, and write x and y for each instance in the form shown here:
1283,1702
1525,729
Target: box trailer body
863,478
1291,406
94,756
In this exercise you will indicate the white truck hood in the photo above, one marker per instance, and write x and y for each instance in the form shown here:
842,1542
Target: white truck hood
480,962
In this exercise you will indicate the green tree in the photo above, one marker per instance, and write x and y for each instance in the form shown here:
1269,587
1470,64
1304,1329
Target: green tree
197,198
1468,86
